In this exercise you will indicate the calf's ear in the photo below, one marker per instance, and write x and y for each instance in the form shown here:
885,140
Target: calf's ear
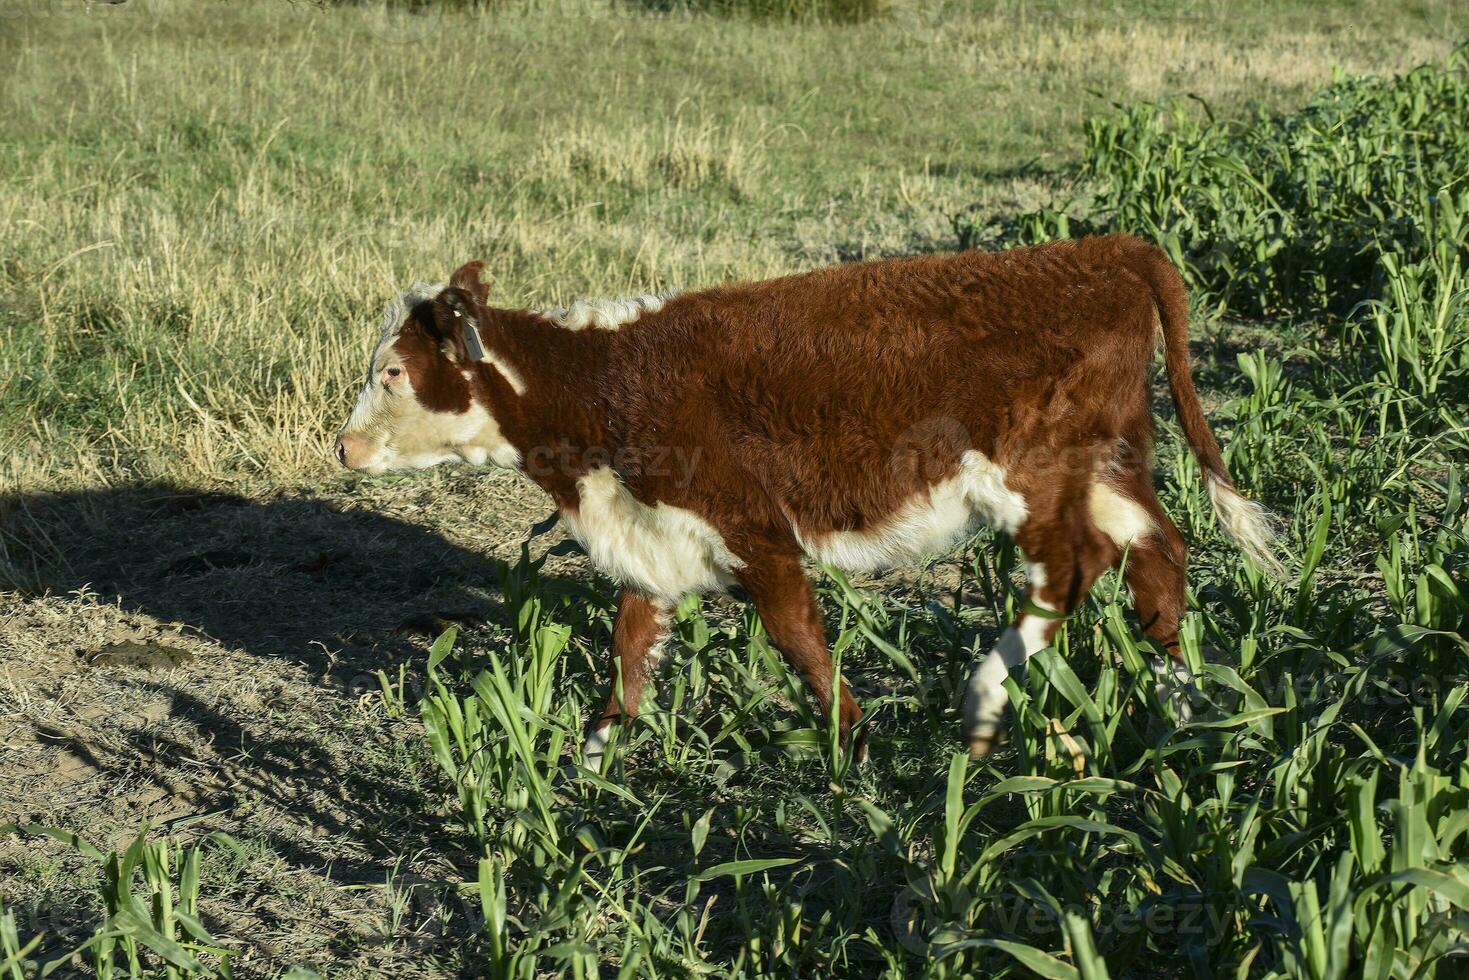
467,276
459,330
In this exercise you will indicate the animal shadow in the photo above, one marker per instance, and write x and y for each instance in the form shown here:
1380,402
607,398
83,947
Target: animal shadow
311,580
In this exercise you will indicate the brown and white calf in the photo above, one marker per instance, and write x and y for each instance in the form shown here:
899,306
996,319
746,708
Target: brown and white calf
864,416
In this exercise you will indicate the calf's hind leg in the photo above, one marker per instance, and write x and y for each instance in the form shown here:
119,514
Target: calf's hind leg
1066,552
1155,572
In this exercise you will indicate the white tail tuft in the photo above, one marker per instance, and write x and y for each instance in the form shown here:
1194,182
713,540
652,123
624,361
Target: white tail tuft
1248,524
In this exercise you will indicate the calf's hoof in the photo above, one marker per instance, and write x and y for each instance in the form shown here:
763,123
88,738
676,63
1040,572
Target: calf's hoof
860,752
594,750
984,708
981,744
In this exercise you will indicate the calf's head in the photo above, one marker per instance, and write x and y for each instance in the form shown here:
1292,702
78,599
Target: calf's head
422,403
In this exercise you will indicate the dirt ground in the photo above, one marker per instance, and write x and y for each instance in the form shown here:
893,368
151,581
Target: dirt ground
207,662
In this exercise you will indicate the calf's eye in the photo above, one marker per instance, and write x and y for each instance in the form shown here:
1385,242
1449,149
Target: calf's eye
393,372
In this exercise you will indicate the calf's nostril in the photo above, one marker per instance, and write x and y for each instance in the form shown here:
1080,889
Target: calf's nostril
341,452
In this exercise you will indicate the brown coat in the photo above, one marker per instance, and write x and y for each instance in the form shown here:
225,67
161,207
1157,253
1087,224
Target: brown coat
863,415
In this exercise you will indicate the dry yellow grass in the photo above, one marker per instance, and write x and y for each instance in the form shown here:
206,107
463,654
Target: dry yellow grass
206,206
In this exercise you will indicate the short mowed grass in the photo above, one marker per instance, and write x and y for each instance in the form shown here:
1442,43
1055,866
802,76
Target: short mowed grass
203,208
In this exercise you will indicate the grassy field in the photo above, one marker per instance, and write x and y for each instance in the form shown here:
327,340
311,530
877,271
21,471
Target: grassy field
212,644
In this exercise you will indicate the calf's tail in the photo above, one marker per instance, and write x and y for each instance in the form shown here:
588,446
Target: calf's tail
1249,525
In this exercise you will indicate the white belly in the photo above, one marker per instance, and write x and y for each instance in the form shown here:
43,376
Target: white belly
929,523
663,551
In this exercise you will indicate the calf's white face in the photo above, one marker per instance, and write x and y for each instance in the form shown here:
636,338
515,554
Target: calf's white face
417,407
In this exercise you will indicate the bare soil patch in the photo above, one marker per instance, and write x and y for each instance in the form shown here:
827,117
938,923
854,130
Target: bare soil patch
201,662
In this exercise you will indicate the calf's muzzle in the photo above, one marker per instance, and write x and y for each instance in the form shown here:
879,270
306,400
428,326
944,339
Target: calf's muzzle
352,451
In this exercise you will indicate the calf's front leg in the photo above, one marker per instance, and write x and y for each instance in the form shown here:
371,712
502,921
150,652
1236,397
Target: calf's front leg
638,635
787,606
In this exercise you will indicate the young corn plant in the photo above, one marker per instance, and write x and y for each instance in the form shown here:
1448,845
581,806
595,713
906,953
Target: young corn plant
151,926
